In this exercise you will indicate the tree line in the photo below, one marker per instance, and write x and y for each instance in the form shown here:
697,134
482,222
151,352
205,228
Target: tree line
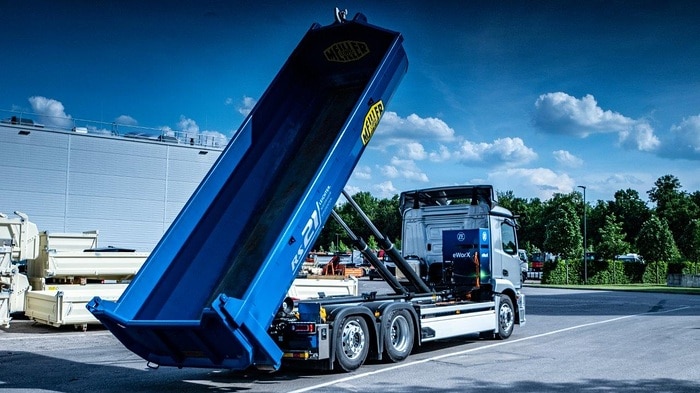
667,232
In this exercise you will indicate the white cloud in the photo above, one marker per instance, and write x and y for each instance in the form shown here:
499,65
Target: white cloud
188,129
213,138
187,126
167,131
404,169
641,137
413,151
508,151
539,182
390,171
50,112
619,179
126,120
441,155
245,106
352,190
385,189
393,128
560,113
684,141
606,184
567,159
362,172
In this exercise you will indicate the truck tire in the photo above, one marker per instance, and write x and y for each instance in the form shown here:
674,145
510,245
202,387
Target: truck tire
352,343
398,337
506,318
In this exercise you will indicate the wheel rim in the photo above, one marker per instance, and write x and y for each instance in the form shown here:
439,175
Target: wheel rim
353,340
399,333
506,317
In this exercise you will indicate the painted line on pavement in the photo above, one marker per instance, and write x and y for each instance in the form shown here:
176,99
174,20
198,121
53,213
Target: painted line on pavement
497,344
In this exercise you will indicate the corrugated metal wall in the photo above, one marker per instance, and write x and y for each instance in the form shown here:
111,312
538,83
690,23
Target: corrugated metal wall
128,189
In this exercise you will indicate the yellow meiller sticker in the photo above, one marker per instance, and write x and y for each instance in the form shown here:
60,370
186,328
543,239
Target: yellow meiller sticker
372,121
346,51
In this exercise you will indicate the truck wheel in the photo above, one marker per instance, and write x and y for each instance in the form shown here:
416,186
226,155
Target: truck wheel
398,337
352,343
506,318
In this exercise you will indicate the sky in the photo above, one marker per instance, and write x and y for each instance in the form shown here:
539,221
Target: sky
534,97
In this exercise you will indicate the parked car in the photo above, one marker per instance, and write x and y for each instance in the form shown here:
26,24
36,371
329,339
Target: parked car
630,258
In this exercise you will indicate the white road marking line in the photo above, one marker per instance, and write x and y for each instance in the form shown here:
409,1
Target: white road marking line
497,344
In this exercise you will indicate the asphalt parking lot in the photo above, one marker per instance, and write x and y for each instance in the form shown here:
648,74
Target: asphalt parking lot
574,340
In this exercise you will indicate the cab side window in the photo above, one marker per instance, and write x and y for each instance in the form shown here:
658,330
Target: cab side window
508,238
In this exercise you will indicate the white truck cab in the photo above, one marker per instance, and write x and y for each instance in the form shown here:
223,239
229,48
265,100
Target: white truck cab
429,213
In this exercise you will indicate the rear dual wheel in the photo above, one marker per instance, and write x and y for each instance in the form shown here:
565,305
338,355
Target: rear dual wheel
398,337
352,343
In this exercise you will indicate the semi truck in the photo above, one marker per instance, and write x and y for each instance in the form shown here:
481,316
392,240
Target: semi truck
458,273
213,291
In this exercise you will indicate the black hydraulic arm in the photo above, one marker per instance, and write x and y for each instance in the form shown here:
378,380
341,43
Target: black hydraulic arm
364,249
388,246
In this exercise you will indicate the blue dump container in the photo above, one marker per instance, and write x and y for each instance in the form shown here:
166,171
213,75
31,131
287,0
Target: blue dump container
211,287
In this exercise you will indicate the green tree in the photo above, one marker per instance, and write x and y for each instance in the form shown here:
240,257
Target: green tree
528,218
675,206
655,241
612,241
563,229
631,211
388,218
383,213
595,219
530,215
690,241
666,188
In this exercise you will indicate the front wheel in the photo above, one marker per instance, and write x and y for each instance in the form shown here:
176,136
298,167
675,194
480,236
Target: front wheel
352,343
398,336
506,318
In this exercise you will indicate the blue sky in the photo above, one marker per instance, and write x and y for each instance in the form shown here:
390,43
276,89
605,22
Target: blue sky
534,97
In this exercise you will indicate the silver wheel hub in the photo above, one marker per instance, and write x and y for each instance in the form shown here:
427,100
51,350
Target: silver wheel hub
505,317
398,332
353,339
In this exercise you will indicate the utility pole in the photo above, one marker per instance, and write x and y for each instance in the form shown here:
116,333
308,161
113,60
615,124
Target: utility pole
585,260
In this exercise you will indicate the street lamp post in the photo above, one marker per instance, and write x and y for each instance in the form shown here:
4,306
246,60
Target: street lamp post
585,260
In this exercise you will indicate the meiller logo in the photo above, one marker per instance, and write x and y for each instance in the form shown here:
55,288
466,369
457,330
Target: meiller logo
346,51
372,121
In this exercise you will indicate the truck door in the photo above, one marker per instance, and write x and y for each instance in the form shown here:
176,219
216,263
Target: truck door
505,261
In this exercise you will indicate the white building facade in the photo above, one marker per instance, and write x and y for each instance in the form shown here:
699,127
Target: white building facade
129,189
